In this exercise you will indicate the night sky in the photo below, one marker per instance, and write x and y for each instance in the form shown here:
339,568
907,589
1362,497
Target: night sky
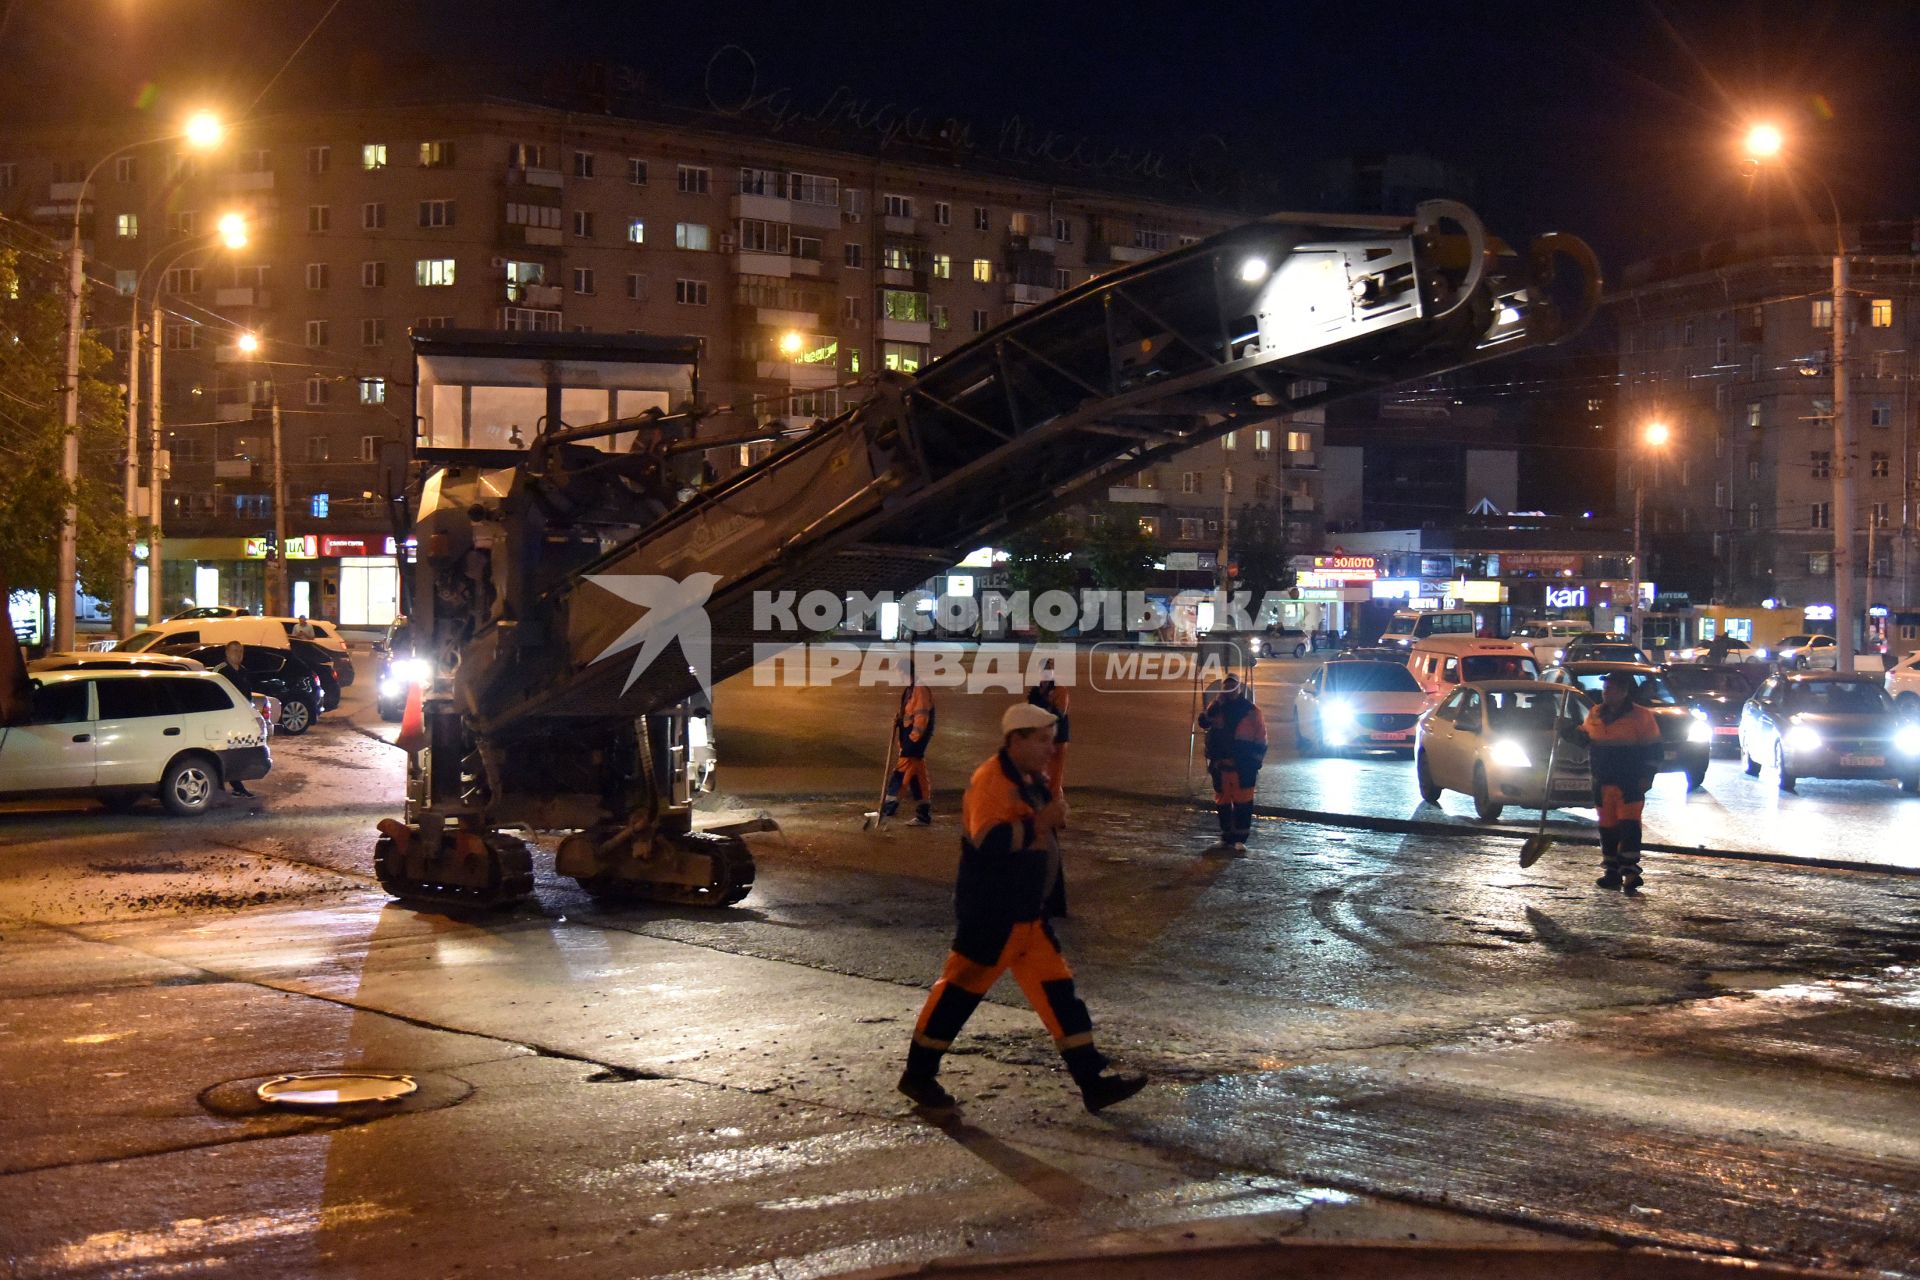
1611,120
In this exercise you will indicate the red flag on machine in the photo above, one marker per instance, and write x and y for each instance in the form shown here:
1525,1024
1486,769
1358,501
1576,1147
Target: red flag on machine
16,695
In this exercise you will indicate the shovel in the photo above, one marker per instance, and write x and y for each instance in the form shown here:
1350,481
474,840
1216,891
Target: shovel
1538,843
878,818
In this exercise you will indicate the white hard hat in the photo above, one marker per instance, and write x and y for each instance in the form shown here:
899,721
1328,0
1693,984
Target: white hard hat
1024,715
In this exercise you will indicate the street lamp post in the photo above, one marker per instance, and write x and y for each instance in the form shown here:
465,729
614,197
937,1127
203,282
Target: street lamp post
1654,437
1764,143
232,234
202,131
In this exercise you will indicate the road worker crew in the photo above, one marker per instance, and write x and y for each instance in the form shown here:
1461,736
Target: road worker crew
1009,860
1623,741
913,729
1236,748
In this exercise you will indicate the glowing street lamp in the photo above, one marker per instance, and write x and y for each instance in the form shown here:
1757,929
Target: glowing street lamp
1764,142
233,230
1657,434
203,130
248,343
792,343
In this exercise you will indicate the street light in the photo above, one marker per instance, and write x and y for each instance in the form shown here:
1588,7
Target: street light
232,232
1654,437
200,131
792,343
1766,142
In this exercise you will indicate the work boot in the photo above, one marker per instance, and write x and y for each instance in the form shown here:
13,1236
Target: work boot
927,1093
923,816
1631,882
1611,880
1101,1092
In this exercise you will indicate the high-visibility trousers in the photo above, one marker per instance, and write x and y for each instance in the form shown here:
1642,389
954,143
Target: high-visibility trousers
1042,972
910,773
1228,787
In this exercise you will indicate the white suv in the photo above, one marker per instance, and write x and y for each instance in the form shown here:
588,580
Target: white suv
121,735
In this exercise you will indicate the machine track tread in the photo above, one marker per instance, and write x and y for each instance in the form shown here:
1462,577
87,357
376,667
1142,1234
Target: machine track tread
510,864
735,880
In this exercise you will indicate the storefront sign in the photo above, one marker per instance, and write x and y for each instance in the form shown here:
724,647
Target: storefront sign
335,545
1477,591
304,547
1559,563
1436,566
255,549
1818,613
1566,597
1348,568
1395,588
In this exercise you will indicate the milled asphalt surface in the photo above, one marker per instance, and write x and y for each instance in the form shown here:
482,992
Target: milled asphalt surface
1352,1033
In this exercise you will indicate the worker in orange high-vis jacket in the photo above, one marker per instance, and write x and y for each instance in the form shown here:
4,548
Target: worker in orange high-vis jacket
913,727
1049,696
1009,860
1236,736
1623,745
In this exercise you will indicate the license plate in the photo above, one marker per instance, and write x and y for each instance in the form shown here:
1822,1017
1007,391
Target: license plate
1862,762
1725,730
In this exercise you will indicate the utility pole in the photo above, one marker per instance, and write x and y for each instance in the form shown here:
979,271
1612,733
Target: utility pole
156,568
1639,509
66,587
277,584
1843,604
127,608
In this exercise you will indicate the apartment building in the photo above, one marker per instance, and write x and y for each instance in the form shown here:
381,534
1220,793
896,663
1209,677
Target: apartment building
801,269
1730,345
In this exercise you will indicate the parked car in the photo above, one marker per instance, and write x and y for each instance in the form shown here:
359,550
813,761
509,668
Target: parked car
1829,725
278,674
1718,692
1493,740
122,734
1903,682
1686,735
192,633
1282,642
328,637
398,669
1370,705
210,611
1407,627
326,666
1731,648
1809,653
93,660
1547,637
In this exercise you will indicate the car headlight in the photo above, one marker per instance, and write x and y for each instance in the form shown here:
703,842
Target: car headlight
1760,653
1337,715
1803,737
1559,655
1907,741
1509,754
407,671
1700,730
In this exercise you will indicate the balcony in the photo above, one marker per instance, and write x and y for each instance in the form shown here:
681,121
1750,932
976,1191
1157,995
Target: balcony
541,237
258,180
1028,295
900,226
545,296
806,376
1301,460
1127,493
535,177
1130,253
232,411
239,296
891,330
782,319
750,263
1017,243
762,208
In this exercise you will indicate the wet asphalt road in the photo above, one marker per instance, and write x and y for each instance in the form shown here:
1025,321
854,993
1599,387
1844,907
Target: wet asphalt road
1133,737
1406,1030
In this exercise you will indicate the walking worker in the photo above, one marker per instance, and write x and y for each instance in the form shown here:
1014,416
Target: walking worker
1009,859
234,668
1236,748
1049,696
1623,741
913,727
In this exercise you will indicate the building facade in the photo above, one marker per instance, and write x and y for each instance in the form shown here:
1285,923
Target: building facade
801,270
1731,346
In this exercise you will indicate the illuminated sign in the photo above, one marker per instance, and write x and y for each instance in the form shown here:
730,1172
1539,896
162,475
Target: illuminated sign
1477,591
1347,568
255,549
1818,613
1553,562
1395,588
304,547
334,545
1566,597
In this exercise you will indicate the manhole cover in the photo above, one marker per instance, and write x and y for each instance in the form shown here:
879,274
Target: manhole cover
322,1090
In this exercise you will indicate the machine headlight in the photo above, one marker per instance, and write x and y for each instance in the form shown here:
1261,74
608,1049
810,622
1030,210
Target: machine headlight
1907,741
1509,754
1699,729
1803,737
411,671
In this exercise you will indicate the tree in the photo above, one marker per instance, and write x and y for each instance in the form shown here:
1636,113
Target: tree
1259,548
32,492
1040,559
1118,552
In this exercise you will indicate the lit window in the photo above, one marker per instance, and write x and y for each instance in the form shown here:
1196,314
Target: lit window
943,266
982,271
692,235
1883,313
373,156
636,230
373,391
436,155
433,272
1823,313
127,225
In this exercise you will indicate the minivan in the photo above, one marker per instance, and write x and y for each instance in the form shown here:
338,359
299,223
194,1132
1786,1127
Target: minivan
1440,663
119,736
1407,626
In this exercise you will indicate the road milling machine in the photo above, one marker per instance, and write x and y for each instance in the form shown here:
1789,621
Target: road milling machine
572,603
